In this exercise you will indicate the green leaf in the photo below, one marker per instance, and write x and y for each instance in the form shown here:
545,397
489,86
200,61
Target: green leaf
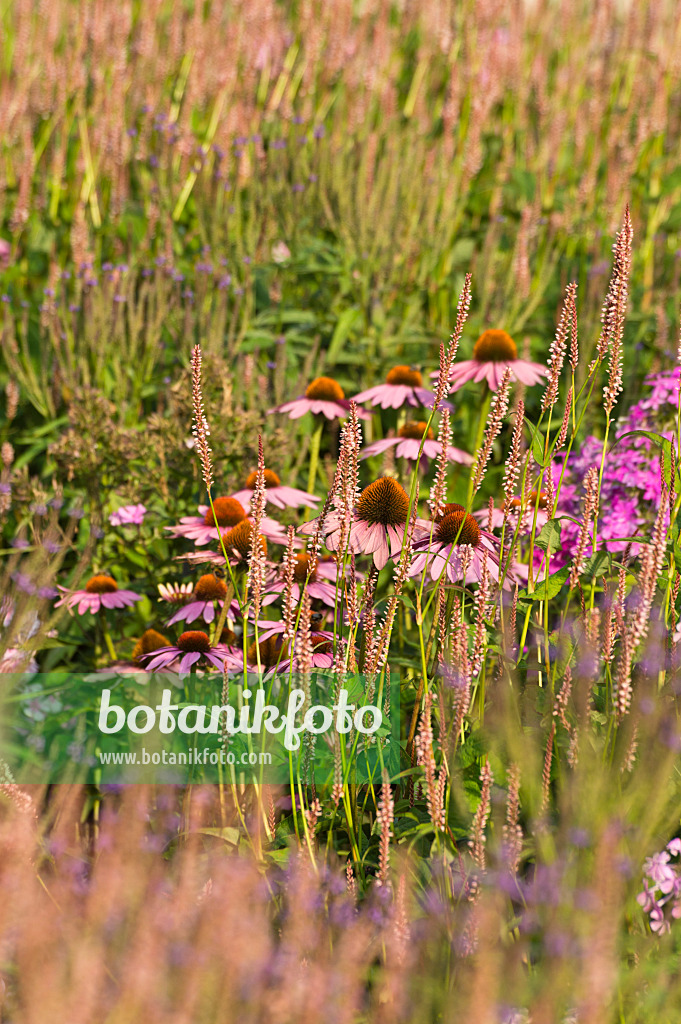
347,321
547,589
549,537
660,442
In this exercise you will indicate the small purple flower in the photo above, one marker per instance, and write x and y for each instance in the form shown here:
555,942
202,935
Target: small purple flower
128,515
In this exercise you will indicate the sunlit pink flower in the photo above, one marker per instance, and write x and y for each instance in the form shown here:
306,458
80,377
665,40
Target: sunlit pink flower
323,396
493,352
465,553
408,442
190,648
402,385
275,652
321,584
380,517
229,512
100,592
276,493
128,515
482,515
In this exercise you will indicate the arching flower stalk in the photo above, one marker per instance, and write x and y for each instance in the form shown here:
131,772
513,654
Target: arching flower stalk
477,842
497,412
590,512
200,426
289,615
426,759
511,832
559,346
512,467
438,492
257,556
380,652
385,815
447,357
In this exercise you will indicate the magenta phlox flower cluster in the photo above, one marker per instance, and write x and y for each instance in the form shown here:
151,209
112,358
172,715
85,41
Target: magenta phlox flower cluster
661,894
630,491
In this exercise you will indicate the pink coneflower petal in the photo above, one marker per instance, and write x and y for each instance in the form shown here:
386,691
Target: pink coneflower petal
89,603
162,658
382,552
378,447
215,659
189,659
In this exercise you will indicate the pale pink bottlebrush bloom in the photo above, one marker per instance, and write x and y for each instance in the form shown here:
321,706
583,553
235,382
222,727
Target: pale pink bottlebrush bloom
321,583
275,651
462,557
190,648
324,397
403,385
408,442
379,522
482,515
237,543
100,592
277,493
493,352
128,515
229,512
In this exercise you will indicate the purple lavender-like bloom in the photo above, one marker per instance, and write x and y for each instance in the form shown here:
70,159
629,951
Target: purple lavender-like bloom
128,515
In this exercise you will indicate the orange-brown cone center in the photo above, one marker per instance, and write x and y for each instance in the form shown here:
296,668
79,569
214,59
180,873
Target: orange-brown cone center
239,539
495,347
384,501
451,506
209,588
302,568
404,375
228,512
325,389
449,526
272,650
150,641
271,479
194,640
415,430
101,585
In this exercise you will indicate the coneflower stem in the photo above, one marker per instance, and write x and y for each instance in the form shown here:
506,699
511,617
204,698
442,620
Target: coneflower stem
484,410
315,442
107,638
